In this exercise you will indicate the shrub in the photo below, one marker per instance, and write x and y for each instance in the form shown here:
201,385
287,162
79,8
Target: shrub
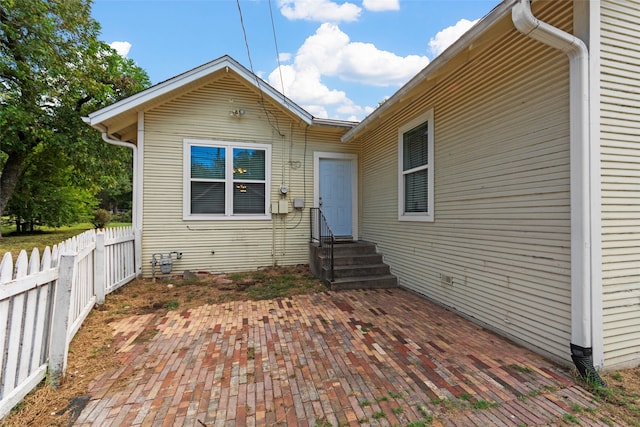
101,217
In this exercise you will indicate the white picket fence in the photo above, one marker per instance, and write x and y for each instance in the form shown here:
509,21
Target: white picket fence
44,300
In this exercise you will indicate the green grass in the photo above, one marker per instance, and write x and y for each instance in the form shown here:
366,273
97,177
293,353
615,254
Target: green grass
465,396
273,289
484,404
395,395
323,422
172,305
627,403
281,286
378,415
570,419
521,369
42,237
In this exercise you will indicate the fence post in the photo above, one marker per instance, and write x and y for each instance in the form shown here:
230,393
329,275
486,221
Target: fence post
99,278
137,245
58,349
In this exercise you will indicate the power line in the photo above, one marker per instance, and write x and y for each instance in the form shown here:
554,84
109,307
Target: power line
275,42
276,127
246,43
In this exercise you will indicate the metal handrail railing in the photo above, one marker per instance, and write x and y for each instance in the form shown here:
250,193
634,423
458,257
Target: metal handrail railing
321,233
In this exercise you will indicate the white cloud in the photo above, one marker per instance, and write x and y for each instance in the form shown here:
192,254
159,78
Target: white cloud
319,10
121,47
284,57
381,5
330,53
305,86
364,63
449,35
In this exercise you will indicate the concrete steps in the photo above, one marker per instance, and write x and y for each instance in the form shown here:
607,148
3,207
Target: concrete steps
357,265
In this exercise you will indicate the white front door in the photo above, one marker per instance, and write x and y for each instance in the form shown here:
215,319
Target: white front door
336,192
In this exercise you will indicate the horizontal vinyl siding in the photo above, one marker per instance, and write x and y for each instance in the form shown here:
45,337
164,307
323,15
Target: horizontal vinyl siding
237,245
502,215
620,157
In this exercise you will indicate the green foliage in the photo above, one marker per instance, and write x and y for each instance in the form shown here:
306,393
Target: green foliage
395,395
521,369
276,287
570,419
123,217
484,404
101,217
47,195
627,403
323,422
172,305
378,415
397,411
54,71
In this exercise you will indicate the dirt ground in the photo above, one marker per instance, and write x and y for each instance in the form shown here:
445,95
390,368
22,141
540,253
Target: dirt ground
91,352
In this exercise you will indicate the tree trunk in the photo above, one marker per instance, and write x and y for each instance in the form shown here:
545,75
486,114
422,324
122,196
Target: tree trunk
9,178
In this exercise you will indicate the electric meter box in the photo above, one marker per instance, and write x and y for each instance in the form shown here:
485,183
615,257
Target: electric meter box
283,206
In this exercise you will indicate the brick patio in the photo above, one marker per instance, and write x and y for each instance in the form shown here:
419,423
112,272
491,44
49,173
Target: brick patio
376,357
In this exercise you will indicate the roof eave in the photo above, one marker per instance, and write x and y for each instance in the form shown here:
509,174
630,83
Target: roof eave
345,124
137,101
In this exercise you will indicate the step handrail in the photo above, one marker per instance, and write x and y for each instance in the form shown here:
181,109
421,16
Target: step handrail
321,233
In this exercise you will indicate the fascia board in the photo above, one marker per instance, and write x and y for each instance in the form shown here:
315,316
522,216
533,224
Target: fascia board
134,102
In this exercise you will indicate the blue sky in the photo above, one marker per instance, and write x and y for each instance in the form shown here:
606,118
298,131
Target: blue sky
338,59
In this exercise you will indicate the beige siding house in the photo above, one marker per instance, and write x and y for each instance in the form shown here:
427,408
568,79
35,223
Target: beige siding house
219,129
619,116
530,177
502,181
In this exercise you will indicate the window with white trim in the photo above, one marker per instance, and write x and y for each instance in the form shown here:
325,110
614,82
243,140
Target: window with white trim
225,180
415,169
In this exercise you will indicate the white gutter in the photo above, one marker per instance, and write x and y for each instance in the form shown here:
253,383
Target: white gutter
136,217
580,173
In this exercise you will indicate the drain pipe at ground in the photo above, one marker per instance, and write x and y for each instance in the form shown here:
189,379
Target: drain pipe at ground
578,54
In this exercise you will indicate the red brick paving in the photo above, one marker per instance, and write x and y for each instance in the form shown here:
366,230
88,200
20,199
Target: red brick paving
374,357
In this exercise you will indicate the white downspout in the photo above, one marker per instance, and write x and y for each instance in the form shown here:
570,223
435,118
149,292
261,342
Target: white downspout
136,217
580,179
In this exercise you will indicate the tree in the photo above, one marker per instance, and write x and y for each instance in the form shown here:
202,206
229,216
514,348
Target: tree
53,71
46,194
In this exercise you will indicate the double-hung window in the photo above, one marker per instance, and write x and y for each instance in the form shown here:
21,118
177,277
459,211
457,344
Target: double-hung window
225,180
415,169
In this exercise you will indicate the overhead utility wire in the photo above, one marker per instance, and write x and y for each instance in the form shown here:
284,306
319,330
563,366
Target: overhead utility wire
246,43
275,42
